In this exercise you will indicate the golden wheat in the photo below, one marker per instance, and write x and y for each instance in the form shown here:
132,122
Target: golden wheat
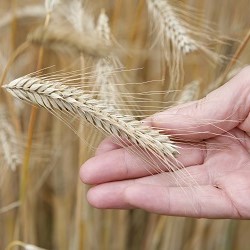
66,39
74,101
189,93
8,144
33,11
178,37
54,213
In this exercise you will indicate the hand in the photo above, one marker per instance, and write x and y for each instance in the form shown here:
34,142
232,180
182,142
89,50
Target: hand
219,181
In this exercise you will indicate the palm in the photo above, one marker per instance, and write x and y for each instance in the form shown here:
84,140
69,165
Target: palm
218,185
225,173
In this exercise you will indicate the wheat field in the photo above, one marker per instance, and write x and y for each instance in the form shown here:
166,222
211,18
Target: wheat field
73,72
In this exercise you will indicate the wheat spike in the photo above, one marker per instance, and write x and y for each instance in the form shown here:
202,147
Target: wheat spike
62,38
189,93
109,83
50,5
79,18
171,26
24,246
105,67
173,36
8,145
104,71
178,38
103,28
33,11
56,96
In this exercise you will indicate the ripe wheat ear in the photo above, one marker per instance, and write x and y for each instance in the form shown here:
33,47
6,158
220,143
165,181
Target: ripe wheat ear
74,101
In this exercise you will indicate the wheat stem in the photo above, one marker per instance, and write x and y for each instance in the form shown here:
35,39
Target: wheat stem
116,13
226,73
236,55
12,58
133,34
134,29
31,127
13,24
27,153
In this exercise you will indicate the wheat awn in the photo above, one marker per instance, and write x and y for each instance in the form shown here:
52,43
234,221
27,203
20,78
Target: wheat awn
74,101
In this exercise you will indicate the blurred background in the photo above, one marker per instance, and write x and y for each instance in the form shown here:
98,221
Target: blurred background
129,54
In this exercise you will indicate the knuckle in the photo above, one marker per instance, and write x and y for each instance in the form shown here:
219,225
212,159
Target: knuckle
244,75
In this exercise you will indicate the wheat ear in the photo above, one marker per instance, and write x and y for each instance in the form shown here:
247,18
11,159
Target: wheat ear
56,96
103,28
50,5
189,93
8,148
56,37
105,68
164,15
23,245
79,17
33,11
178,38
174,37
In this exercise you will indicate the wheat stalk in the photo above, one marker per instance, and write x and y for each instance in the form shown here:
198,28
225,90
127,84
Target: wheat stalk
56,96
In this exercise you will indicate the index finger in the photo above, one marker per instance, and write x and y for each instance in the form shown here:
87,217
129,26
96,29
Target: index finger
219,112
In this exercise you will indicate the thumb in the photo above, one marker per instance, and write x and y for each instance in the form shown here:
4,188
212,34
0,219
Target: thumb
217,113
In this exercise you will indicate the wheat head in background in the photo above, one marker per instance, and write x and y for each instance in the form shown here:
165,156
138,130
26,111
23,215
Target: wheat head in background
112,64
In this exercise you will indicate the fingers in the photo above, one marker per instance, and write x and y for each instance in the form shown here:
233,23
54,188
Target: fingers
107,145
220,111
193,176
123,164
106,194
109,195
202,201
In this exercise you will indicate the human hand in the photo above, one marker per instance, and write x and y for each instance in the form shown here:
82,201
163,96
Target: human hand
219,186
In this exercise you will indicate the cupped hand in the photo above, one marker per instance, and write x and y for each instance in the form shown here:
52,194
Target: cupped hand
218,185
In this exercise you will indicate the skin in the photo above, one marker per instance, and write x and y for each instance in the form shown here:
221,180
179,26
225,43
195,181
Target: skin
218,161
